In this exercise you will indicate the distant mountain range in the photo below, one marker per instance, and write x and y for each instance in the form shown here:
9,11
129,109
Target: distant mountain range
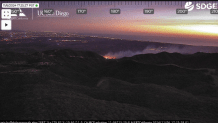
12,30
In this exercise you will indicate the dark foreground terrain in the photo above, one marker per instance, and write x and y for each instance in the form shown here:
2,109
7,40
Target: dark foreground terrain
69,85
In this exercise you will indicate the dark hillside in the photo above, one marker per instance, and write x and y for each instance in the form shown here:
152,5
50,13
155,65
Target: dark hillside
82,85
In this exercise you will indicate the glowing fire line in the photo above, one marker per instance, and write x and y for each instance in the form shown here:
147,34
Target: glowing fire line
109,57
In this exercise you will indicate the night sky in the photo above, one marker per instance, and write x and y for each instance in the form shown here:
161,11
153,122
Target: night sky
198,27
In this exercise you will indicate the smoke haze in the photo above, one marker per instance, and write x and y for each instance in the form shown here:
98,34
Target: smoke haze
171,49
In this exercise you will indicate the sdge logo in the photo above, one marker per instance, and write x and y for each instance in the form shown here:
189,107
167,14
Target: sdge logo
190,6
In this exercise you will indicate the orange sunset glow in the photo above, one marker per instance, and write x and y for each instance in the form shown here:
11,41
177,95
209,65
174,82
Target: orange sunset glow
196,26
